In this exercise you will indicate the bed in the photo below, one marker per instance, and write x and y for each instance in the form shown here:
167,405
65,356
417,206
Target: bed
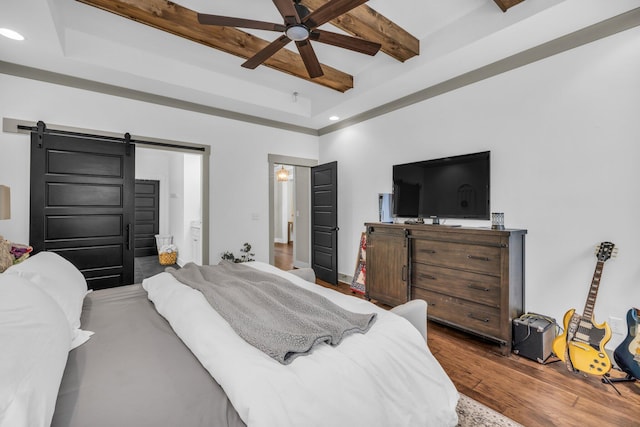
156,354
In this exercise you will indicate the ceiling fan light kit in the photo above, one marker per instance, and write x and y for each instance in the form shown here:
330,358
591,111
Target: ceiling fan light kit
297,32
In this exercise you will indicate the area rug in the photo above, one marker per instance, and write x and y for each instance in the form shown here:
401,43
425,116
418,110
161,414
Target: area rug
472,413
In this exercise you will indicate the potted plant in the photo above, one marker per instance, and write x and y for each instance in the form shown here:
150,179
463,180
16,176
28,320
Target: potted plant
246,256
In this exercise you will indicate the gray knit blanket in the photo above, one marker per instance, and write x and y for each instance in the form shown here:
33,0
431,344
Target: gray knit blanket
277,317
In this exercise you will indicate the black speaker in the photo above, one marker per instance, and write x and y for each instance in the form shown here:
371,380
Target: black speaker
533,336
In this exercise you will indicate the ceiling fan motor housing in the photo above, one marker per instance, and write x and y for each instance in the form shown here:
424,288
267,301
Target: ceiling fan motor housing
298,32
301,9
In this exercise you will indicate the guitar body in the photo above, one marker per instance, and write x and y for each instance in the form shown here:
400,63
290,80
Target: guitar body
627,354
581,345
586,349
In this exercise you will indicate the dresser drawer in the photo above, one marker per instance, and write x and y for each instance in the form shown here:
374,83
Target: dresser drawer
483,259
474,287
474,317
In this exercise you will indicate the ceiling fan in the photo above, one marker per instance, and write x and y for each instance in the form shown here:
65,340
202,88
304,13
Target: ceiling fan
301,26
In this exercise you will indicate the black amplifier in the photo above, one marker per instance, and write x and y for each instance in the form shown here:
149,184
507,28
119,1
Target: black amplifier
533,336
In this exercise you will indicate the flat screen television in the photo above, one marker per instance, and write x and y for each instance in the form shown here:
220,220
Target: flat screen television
451,187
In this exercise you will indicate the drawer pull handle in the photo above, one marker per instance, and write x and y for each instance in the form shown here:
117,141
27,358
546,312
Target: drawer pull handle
477,288
427,276
404,273
478,258
485,320
429,251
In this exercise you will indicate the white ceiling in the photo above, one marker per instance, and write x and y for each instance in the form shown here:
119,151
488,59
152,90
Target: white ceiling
71,38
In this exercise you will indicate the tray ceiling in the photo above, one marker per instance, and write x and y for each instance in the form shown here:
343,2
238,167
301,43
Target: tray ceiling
79,41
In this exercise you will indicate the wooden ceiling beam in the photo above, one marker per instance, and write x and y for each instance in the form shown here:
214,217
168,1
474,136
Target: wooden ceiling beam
506,4
175,19
368,24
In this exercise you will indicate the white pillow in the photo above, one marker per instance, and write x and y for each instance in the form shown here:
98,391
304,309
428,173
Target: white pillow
34,344
62,281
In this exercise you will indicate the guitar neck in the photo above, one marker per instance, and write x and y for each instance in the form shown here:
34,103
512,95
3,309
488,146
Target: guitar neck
593,291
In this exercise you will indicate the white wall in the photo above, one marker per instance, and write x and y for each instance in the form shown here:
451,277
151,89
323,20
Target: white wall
239,205
563,135
177,203
302,218
192,207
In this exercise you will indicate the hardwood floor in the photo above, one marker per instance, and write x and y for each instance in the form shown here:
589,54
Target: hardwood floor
526,391
529,392
283,256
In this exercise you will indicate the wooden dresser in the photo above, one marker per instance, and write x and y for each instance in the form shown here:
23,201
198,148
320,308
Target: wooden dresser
472,278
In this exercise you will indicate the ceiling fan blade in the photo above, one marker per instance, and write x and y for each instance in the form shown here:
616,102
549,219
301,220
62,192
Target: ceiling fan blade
288,11
309,58
266,53
329,11
346,42
227,21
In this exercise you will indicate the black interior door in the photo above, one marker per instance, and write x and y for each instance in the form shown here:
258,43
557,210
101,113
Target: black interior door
82,205
147,217
324,222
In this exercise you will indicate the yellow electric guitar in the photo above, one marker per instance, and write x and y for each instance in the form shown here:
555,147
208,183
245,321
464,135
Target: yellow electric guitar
581,345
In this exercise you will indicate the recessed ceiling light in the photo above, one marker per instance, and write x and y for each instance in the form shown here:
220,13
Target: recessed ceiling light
334,118
10,34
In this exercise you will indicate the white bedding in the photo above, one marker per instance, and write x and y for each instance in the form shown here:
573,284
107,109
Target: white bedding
386,377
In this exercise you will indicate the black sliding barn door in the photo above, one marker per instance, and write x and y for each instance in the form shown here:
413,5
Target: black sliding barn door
82,205
147,217
324,222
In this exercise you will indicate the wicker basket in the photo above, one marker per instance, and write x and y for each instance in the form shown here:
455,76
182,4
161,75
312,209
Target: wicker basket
168,258
165,258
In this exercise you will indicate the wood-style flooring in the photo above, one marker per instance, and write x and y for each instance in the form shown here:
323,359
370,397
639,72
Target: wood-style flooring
526,391
283,256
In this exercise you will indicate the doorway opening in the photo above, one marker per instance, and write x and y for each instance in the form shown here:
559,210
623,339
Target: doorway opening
289,212
179,204
290,217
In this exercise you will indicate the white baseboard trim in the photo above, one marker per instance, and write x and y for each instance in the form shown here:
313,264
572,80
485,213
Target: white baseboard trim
300,264
344,278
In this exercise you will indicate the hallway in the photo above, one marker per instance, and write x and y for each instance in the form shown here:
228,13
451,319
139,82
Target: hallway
283,256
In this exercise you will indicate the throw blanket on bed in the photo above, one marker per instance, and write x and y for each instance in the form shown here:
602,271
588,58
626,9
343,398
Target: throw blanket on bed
269,312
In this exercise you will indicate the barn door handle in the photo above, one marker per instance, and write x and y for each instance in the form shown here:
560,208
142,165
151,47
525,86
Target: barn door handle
128,237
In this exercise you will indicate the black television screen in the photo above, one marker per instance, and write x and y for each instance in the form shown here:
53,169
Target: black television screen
451,187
